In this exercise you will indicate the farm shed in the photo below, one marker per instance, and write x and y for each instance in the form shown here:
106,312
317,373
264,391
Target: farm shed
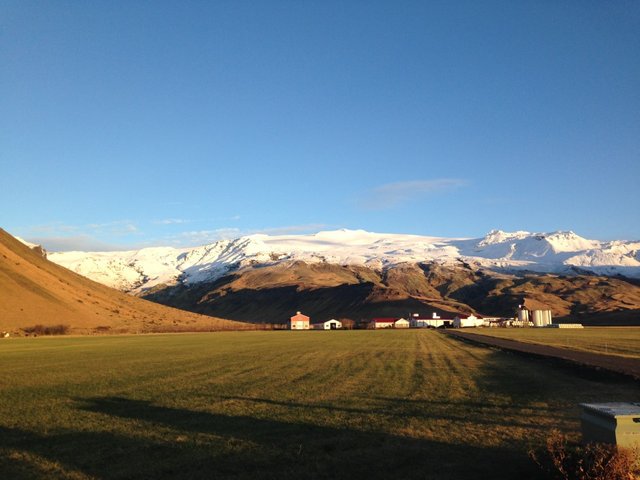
434,321
401,323
382,322
332,324
299,322
469,321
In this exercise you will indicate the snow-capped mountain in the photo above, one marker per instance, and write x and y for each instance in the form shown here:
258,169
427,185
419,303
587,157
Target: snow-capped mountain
558,252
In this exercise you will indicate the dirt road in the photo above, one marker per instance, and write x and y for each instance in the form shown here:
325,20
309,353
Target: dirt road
613,363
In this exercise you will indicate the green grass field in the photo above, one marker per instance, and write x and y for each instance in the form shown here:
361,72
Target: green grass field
352,404
623,341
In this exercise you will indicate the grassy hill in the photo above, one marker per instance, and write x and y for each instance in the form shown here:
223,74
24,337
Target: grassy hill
35,291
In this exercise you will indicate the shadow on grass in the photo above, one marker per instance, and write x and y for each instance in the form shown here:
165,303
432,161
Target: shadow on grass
421,409
140,439
82,454
534,380
180,443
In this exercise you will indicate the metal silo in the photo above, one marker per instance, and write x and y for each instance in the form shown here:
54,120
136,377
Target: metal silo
537,316
541,318
523,316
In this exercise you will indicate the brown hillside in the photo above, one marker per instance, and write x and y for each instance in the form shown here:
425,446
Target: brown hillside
271,293
34,291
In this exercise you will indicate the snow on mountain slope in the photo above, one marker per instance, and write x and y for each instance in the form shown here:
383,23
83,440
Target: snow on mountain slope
28,244
555,252
538,248
33,246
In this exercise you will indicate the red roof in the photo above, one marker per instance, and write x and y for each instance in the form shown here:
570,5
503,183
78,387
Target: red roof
385,319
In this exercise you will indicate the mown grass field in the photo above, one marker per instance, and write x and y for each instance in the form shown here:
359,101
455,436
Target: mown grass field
280,405
623,341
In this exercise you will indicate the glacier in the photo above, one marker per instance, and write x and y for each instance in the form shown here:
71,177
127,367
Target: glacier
561,252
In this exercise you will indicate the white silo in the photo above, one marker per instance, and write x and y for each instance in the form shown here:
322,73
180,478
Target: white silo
538,318
523,316
541,318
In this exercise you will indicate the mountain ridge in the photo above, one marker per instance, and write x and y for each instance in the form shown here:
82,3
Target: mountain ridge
561,252
358,274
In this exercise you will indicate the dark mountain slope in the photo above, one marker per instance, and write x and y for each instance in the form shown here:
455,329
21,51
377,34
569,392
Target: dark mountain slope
272,293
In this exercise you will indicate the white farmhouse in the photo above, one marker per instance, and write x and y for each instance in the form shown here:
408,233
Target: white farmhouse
469,321
332,324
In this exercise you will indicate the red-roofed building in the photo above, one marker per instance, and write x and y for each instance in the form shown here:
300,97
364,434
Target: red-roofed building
382,322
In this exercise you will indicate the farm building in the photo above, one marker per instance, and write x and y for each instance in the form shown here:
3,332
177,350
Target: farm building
382,322
389,322
434,321
401,323
493,321
332,324
469,321
299,322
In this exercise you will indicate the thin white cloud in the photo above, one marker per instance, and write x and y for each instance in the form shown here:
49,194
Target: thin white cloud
84,243
182,221
391,195
203,237
57,236
171,221
59,229
117,227
54,228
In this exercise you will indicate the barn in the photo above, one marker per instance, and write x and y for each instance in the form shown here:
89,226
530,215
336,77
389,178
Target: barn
299,322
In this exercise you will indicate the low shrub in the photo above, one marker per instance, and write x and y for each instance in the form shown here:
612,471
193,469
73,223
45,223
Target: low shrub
564,460
153,328
46,330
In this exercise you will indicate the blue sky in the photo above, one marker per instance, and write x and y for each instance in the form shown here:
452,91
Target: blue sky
126,124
